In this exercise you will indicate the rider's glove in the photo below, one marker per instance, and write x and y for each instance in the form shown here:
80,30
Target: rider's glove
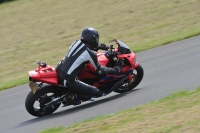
107,70
102,46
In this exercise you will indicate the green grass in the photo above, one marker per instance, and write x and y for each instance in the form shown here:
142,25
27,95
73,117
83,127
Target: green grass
176,113
32,30
53,130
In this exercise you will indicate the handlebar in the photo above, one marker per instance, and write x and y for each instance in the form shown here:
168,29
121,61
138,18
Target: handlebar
104,47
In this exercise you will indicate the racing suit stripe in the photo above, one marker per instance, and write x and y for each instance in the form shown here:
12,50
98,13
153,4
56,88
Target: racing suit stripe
84,57
73,47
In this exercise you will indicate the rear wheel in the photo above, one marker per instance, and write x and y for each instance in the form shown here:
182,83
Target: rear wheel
137,77
35,102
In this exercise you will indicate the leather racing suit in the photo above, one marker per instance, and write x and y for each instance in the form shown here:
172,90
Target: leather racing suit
73,63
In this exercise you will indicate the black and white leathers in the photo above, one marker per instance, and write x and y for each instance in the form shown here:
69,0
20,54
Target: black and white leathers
72,64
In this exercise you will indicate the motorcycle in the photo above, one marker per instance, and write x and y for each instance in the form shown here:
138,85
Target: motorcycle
47,94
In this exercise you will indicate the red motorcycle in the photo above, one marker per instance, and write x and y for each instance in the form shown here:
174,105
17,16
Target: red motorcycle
45,99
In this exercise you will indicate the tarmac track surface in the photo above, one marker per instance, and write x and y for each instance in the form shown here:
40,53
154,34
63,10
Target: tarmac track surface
167,69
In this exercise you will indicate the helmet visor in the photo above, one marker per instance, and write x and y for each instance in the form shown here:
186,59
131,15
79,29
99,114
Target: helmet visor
97,38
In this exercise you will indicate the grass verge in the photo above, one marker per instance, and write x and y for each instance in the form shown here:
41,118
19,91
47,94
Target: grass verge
176,113
32,30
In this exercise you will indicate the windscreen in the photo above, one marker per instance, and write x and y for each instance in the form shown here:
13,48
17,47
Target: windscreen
123,48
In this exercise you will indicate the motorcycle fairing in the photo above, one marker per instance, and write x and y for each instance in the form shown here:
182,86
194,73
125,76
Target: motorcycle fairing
88,72
102,59
109,80
45,74
122,48
48,74
131,59
125,52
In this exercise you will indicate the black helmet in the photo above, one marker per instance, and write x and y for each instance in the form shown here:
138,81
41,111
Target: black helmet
90,36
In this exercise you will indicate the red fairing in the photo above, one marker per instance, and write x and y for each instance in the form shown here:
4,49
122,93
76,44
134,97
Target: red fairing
89,70
131,58
102,59
86,72
126,68
46,74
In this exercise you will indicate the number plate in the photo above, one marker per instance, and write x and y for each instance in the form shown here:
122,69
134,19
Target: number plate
33,86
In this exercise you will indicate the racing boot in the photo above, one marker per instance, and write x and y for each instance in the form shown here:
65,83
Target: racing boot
98,94
72,98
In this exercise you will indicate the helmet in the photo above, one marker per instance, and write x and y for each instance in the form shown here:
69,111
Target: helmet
90,36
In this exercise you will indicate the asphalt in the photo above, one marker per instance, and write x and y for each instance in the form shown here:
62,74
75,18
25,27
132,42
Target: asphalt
167,69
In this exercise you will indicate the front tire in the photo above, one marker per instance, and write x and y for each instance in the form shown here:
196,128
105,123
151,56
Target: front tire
35,102
128,86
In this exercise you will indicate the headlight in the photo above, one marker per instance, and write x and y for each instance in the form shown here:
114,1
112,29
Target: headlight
134,61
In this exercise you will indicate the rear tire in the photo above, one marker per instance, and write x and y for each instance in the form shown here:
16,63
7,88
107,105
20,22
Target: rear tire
131,85
41,97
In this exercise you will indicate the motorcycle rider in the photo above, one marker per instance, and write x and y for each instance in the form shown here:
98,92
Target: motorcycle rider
80,53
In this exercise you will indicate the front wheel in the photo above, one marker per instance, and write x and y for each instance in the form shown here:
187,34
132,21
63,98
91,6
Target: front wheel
129,85
35,102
